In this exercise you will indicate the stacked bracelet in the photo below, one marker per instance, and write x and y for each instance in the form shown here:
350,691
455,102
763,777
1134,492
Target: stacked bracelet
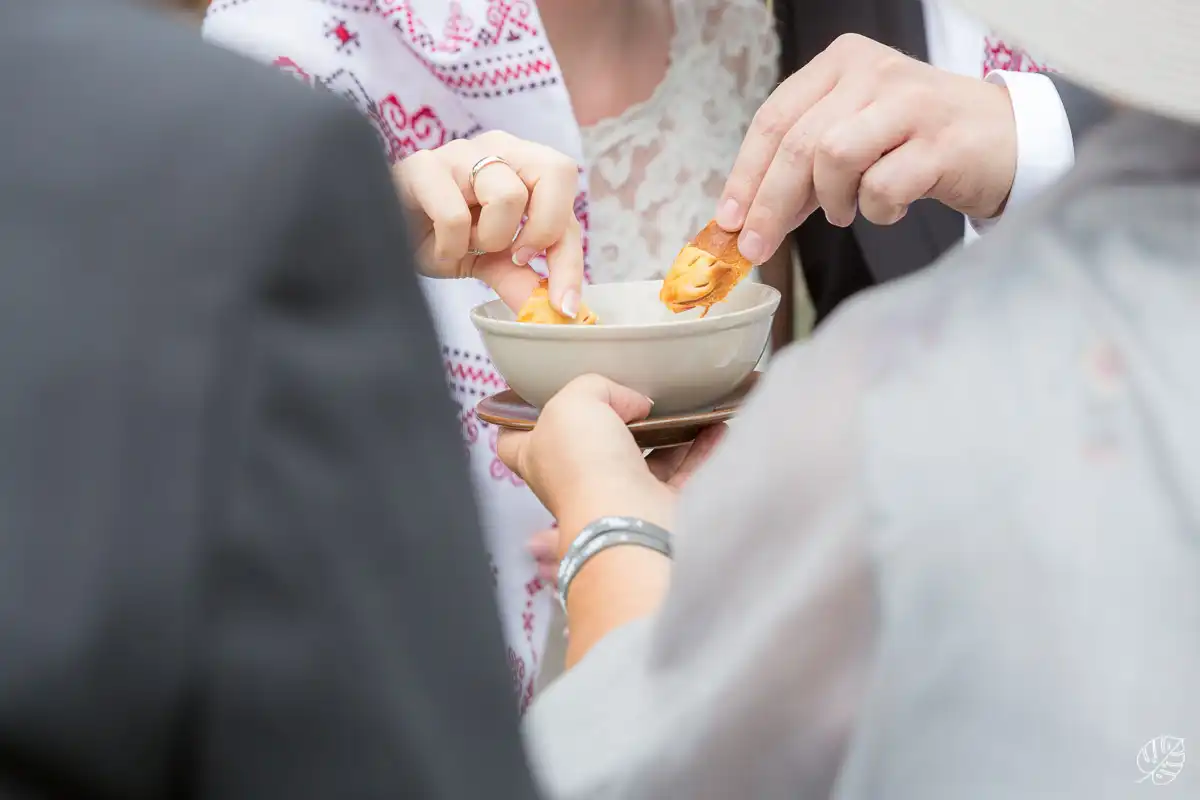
602,534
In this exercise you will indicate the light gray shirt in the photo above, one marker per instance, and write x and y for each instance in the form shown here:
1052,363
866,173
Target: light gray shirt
952,548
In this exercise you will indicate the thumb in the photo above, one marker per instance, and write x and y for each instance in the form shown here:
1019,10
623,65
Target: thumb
629,405
509,448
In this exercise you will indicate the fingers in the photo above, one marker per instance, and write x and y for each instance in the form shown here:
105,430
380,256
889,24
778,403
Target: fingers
849,149
543,546
897,180
549,184
501,196
675,465
629,405
511,283
550,224
553,181
564,260
431,193
774,119
665,461
786,193
698,454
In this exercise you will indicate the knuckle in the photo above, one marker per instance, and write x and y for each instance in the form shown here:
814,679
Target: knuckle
835,149
917,95
893,66
769,122
492,137
453,222
881,190
850,43
882,213
513,196
797,147
565,168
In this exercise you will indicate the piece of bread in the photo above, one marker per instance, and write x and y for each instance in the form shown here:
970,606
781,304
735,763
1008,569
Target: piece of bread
705,271
537,309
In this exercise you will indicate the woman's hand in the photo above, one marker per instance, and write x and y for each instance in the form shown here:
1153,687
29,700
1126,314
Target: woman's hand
467,226
582,462
673,466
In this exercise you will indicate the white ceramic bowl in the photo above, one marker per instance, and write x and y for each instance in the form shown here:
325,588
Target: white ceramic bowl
681,362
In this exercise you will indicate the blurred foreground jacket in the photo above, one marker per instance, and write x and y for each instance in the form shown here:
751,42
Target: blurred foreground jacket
230,480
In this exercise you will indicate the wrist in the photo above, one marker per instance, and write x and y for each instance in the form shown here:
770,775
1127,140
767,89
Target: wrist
654,503
615,587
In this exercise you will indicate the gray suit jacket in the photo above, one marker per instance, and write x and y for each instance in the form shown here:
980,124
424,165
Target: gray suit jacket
232,489
839,262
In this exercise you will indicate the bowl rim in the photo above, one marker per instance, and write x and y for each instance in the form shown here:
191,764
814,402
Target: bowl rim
646,330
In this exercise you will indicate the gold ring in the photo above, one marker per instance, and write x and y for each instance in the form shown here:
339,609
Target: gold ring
475,252
486,161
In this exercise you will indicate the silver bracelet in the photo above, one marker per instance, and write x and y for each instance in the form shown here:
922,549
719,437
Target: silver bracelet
602,534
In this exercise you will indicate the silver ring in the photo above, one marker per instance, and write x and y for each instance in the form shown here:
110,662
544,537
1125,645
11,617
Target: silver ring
486,161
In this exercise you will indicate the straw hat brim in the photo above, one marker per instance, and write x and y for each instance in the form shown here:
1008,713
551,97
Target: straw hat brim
1145,53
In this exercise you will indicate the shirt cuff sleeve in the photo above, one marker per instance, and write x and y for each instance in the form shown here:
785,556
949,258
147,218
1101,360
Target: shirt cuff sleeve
1045,146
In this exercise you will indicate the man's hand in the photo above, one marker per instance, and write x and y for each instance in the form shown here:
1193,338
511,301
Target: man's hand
864,128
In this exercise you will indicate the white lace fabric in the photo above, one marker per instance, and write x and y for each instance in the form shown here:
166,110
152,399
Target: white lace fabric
656,171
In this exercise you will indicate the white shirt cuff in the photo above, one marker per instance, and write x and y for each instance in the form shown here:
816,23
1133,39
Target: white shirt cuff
1045,146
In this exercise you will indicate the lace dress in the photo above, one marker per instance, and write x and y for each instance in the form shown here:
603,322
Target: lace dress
656,171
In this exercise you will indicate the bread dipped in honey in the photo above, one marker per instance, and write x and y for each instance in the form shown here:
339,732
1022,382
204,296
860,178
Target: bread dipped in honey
537,309
705,271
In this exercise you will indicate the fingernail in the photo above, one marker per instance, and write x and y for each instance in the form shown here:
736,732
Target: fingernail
570,303
835,221
523,256
750,244
727,215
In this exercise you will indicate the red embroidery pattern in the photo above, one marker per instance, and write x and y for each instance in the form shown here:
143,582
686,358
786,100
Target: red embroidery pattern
533,588
999,56
292,68
406,132
505,21
492,77
339,31
508,20
470,426
471,372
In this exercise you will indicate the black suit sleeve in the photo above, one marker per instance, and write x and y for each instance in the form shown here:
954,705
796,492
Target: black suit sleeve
354,650
1085,109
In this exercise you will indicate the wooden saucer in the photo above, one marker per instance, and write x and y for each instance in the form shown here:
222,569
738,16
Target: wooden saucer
507,410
